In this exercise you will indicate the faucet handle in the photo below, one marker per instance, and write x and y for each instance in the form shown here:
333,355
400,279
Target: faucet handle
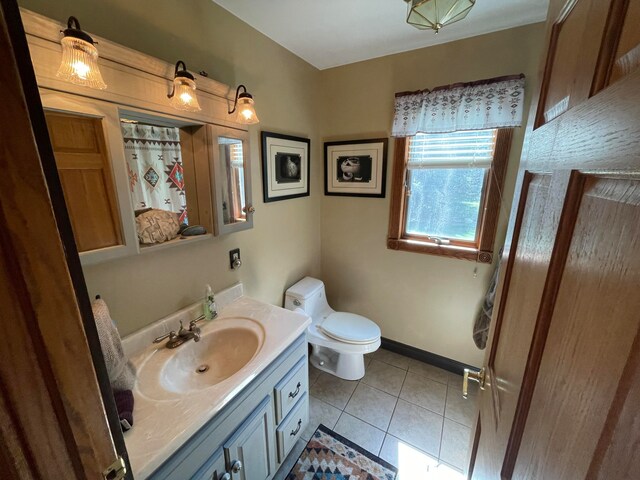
169,335
182,330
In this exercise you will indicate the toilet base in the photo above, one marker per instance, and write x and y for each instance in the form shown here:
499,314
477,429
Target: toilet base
348,366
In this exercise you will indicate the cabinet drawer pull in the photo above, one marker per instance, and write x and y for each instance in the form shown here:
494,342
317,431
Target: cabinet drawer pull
295,432
295,394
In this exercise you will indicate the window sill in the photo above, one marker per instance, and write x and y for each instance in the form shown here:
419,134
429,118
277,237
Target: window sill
462,253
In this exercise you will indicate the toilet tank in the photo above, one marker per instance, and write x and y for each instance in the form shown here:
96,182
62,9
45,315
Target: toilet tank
308,294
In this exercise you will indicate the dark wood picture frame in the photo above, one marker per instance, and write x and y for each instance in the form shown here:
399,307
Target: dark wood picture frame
300,149
382,171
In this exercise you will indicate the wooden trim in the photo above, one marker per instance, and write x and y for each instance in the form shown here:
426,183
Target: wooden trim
491,208
508,270
548,64
46,292
475,443
489,215
543,322
430,248
607,56
398,191
622,412
434,359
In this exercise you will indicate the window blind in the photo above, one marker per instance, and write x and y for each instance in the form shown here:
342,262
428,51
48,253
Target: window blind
465,149
235,150
236,155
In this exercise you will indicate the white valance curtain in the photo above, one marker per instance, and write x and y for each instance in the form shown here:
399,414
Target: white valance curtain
485,104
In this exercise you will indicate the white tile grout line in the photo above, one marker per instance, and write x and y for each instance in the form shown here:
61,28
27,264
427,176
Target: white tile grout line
394,411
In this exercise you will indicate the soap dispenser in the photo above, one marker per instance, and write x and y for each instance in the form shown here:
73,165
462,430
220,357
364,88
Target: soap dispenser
209,304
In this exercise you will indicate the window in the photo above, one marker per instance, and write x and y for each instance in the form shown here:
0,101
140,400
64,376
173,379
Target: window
446,193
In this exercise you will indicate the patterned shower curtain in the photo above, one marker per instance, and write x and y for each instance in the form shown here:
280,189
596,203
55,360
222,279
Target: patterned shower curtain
154,164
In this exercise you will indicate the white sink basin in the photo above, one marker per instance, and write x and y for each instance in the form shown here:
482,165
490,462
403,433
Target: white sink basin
225,347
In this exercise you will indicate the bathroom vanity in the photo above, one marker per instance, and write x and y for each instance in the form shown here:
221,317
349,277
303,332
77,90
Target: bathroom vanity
229,407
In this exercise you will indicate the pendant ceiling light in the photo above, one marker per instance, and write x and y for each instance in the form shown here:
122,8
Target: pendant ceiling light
243,105
435,14
183,96
79,57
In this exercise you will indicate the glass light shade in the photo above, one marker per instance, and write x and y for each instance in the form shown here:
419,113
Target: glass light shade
184,94
246,112
435,14
80,63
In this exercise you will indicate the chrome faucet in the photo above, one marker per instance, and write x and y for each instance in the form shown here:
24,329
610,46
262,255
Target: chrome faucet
183,335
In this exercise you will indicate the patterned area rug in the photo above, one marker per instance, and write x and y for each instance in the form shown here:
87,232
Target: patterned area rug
329,456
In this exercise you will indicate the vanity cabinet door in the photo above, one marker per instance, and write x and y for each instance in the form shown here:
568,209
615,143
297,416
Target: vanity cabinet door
214,469
253,445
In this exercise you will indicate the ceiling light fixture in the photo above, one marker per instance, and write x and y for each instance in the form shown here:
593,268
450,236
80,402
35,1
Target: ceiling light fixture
243,104
435,14
183,95
79,63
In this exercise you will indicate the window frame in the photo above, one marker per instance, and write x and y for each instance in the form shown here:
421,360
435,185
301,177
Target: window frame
489,213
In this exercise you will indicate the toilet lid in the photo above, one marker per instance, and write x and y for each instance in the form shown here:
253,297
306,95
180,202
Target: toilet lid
350,328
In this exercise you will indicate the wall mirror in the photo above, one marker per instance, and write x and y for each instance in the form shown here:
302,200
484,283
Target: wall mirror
167,163
234,211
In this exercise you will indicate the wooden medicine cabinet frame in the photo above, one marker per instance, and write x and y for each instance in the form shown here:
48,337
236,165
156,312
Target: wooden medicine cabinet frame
138,84
221,176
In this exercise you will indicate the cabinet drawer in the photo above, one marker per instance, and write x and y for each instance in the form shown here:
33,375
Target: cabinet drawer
292,427
291,388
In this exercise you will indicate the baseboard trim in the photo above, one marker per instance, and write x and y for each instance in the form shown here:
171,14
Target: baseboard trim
426,357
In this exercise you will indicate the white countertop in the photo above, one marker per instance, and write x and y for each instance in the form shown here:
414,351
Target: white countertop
161,427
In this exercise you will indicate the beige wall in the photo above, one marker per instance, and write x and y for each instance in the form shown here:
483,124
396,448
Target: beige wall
426,301
285,242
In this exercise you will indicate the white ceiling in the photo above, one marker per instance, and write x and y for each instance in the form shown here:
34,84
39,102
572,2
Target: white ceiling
329,33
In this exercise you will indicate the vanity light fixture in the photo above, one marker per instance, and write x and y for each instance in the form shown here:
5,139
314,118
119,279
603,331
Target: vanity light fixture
435,14
79,57
183,95
243,105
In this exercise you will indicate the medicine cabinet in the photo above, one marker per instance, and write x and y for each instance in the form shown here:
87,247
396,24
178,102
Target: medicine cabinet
124,150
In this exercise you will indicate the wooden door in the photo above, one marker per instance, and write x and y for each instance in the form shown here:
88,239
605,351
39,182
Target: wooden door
53,420
85,173
563,360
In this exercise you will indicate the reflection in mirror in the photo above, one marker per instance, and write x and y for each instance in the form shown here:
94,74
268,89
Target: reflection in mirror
233,187
160,165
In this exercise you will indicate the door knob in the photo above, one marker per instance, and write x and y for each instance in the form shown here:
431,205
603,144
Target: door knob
236,466
476,376
249,209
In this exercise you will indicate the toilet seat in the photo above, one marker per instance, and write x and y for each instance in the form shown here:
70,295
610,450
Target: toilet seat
350,328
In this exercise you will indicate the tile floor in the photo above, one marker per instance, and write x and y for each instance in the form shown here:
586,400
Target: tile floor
409,413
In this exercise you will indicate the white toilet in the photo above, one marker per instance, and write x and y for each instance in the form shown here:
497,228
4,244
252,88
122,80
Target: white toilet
338,340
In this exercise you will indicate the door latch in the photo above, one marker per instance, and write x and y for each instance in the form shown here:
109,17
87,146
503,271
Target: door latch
116,471
478,376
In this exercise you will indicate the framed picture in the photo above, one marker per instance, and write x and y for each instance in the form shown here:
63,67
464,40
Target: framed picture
285,166
355,168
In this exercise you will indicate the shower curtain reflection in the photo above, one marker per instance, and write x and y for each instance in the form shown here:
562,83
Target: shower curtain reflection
154,165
